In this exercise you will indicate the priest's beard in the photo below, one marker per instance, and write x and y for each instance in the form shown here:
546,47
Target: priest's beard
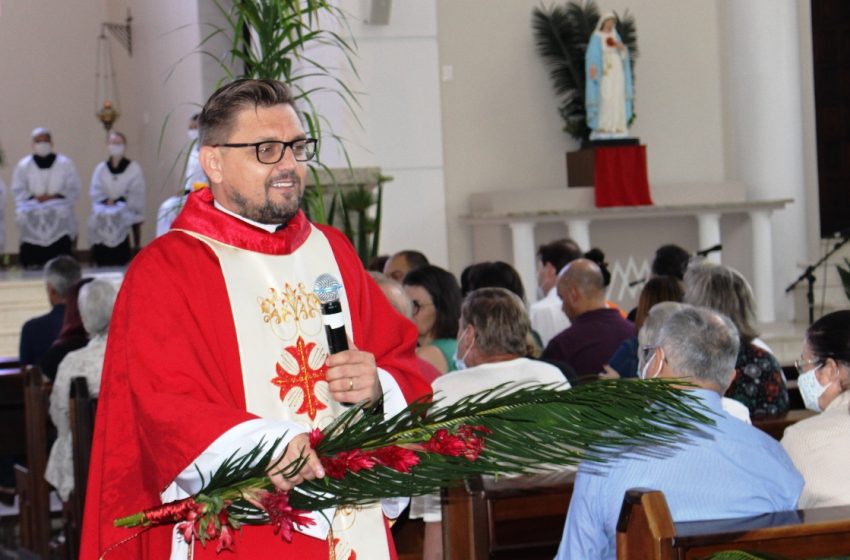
271,212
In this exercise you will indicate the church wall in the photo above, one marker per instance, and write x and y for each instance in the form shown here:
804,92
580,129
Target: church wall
501,127
48,68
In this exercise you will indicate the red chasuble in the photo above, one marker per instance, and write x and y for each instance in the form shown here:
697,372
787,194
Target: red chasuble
173,378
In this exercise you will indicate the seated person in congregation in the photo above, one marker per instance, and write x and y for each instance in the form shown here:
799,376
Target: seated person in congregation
596,331
399,264
435,295
395,294
72,337
819,446
546,314
759,382
95,302
492,343
729,469
37,334
117,194
46,187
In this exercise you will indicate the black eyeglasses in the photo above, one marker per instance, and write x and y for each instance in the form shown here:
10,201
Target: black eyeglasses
272,151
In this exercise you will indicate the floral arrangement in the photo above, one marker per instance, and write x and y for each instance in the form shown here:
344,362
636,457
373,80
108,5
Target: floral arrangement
424,447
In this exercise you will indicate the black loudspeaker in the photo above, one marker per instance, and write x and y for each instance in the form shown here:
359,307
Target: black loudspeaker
379,12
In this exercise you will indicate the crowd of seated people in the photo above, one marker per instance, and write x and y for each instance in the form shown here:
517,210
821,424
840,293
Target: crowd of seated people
694,321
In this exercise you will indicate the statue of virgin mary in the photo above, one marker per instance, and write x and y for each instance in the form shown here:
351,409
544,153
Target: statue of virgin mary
608,91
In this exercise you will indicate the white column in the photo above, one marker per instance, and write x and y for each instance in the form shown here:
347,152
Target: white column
709,234
522,234
762,249
579,231
765,140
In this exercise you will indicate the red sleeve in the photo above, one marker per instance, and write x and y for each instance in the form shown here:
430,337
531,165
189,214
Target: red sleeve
378,327
171,385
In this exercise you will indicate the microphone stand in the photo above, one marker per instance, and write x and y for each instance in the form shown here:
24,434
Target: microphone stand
809,276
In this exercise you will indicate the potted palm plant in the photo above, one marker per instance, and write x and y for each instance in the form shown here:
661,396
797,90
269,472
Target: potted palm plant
275,39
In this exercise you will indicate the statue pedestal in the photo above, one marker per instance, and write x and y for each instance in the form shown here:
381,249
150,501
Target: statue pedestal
616,169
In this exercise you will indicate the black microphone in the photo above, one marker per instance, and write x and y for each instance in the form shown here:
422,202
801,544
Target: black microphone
327,290
637,282
705,252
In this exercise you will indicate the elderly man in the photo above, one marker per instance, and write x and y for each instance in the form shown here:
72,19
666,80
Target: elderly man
724,470
398,265
547,317
39,332
206,357
45,186
596,331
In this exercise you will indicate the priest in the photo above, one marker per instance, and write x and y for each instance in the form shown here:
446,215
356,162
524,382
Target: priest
45,186
217,343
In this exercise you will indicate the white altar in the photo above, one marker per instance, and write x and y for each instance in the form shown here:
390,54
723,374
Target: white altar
522,212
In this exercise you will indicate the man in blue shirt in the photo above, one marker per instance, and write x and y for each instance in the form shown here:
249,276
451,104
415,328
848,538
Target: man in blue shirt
726,470
39,333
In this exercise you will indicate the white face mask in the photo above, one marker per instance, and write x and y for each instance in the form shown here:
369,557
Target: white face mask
643,372
116,150
42,149
459,362
810,388
192,133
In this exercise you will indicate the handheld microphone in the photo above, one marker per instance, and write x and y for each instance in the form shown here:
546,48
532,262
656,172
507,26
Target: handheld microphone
712,249
327,290
637,282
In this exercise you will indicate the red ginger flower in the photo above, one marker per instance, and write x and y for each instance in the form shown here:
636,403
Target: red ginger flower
444,443
316,436
282,516
395,457
341,463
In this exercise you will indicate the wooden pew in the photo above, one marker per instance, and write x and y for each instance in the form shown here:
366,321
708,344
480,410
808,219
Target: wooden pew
518,517
775,426
82,408
33,490
646,531
12,413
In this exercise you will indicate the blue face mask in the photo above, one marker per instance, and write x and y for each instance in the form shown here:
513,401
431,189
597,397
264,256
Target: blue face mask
459,361
810,389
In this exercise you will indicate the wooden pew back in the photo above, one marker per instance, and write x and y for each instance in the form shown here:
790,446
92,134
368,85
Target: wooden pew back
646,531
34,492
82,408
517,517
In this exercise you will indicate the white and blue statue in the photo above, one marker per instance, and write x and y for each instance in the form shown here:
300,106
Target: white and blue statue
609,92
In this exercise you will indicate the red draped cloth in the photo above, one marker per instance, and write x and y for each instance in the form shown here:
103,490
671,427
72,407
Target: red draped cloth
621,177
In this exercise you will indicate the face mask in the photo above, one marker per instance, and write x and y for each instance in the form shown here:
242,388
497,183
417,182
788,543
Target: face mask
42,149
811,389
459,361
645,369
116,150
192,133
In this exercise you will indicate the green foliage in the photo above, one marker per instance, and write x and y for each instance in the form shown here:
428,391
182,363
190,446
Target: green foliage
844,273
561,34
531,427
742,555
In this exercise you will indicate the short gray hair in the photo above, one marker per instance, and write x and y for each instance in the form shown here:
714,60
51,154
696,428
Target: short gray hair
500,321
658,314
700,343
725,290
96,301
61,273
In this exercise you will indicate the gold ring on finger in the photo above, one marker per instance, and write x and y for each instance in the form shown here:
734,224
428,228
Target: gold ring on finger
350,383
